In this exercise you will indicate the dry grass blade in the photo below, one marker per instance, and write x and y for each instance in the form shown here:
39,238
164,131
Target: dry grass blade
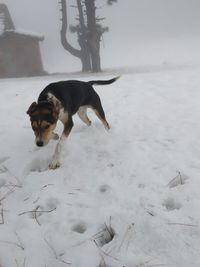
11,243
35,211
102,262
126,236
19,241
105,236
16,261
35,215
103,253
17,244
57,257
152,265
183,224
2,216
178,180
10,191
15,177
147,264
46,185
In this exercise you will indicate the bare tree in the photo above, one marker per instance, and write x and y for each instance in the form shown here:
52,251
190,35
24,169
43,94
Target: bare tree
89,33
83,53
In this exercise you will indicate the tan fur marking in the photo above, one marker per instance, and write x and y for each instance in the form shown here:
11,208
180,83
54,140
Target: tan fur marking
44,124
34,124
41,133
45,111
35,113
82,113
63,116
46,134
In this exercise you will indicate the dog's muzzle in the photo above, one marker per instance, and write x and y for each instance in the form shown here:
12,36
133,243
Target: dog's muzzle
40,143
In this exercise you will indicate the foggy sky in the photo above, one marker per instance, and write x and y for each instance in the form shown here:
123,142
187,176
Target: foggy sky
131,22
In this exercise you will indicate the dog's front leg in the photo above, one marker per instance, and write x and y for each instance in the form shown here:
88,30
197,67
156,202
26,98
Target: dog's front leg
54,136
55,163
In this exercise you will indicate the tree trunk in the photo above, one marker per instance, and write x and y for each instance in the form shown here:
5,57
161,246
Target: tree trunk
83,53
93,36
82,39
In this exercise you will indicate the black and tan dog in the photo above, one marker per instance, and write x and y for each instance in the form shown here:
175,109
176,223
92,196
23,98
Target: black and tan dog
60,101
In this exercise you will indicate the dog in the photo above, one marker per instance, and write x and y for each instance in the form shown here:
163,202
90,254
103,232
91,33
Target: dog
60,101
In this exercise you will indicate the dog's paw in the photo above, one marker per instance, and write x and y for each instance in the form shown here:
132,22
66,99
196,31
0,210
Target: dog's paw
106,125
54,165
55,136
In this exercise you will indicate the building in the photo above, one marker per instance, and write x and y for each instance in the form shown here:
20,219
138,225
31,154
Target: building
19,51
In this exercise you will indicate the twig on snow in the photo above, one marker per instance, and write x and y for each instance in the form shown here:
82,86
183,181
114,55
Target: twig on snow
183,224
10,191
156,265
46,185
17,263
102,252
90,238
36,211
17,244
2,217
12,243
19,241
24,263
150,212
35,215
2,170
36,200
57,257
15,177
146,264
99,235
102,262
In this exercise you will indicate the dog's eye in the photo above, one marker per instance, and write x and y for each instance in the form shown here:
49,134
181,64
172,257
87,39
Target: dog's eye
47,126
34,128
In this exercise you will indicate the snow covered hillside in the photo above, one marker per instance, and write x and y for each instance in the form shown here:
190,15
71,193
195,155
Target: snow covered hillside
128,197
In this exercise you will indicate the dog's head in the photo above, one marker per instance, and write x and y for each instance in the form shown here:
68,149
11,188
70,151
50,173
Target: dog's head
43,116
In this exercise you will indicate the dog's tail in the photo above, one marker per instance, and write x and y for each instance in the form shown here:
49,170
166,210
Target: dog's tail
104,82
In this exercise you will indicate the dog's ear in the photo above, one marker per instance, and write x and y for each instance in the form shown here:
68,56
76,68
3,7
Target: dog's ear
31,108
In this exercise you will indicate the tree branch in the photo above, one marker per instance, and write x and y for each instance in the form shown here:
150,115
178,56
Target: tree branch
75,52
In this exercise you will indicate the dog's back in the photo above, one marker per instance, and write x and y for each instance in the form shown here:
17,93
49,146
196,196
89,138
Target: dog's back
72,93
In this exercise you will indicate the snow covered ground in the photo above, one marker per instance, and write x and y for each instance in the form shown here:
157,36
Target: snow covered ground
128,197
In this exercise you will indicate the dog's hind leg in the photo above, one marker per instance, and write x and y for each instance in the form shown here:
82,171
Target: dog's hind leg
98,109
102,119
82,113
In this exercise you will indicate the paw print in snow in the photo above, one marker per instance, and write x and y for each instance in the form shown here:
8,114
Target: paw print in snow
171,204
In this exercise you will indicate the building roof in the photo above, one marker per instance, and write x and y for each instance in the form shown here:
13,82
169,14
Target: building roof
5,18
7,27
22,33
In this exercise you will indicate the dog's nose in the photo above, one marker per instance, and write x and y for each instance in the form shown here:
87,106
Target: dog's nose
39,143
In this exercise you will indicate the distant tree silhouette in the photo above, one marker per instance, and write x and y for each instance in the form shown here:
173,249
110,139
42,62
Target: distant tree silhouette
89,32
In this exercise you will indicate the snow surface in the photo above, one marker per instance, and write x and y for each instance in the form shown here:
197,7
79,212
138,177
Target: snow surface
128,197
